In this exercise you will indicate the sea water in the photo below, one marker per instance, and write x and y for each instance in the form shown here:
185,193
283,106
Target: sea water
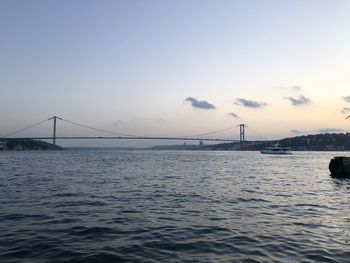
104,205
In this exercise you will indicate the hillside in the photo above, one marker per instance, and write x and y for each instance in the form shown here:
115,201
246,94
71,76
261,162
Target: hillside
317,142
26,144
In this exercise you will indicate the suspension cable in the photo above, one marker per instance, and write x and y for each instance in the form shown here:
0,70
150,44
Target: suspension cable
133,135
256,133
100,130
108,131
209,133
23,129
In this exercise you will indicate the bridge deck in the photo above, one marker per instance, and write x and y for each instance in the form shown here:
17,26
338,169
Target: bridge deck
124,138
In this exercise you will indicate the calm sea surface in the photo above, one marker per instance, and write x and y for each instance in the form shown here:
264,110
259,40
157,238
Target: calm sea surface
104,205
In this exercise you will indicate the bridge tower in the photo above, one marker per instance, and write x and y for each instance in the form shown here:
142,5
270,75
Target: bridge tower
54,118
242,134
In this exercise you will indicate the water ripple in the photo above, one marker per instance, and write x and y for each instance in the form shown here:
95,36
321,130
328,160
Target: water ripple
138,206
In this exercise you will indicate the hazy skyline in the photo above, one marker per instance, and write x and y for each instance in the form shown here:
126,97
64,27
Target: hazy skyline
177,67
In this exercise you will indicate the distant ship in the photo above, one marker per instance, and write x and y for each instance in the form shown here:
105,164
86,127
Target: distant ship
276,149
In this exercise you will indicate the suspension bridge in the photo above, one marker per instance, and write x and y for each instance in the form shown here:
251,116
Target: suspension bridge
222,135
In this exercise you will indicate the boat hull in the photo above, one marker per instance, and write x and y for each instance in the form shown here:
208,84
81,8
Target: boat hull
276,152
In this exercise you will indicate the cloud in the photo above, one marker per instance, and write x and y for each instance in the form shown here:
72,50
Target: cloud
200,104
297,131
345,110
249,103
292,88
234,115
330,130
347,99
301,100
160,120
117,122
296,88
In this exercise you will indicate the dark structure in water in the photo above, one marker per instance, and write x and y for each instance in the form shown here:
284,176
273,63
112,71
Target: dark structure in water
339,166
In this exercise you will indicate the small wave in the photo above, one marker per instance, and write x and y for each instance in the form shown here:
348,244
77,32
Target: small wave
22,217
66,195
103,257
80,204
95,231
253,200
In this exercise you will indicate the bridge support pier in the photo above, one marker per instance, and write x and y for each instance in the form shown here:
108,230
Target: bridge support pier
54,118
54,131
242,135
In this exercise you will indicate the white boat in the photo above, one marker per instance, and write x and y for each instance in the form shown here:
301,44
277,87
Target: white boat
276,149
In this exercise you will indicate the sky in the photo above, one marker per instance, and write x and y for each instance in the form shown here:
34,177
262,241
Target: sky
174,68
